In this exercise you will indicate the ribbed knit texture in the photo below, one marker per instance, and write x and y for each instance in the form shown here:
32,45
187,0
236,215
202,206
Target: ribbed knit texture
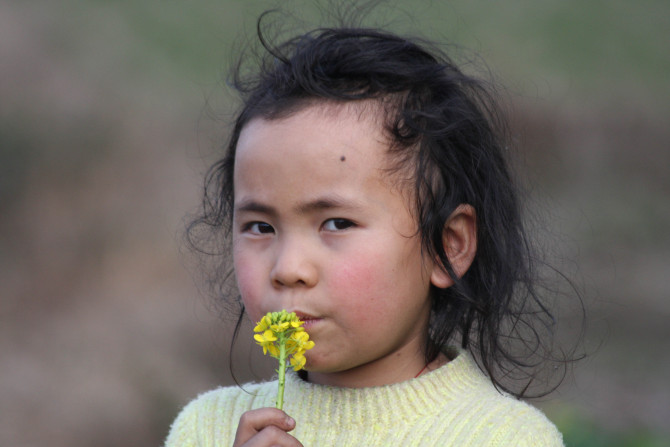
455,405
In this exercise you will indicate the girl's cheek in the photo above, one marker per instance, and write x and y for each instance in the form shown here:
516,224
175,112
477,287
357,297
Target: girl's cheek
247,284
358,285
355,275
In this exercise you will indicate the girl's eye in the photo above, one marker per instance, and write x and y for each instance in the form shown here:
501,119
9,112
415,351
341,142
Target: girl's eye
258,228
337,224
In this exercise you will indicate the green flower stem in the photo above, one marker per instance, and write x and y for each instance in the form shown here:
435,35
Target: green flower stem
282,373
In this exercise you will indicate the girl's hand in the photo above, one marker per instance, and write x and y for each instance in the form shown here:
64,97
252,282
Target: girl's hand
265,427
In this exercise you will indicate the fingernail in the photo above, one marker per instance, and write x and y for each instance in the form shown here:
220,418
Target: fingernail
290,421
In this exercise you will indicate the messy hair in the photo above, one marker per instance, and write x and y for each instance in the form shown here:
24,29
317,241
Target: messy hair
449,138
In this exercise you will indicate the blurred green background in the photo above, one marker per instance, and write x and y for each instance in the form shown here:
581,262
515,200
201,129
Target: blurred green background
111,111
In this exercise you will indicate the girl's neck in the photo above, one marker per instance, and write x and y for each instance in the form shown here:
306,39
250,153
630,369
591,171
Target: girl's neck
376,373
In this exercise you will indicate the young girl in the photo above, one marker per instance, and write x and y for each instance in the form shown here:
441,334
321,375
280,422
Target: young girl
365,188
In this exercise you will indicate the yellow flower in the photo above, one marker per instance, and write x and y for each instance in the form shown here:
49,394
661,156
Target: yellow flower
298,361
264,323
266,340
280,327
299,341
282,335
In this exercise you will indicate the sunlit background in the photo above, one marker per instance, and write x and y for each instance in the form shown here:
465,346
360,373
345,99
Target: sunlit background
110,112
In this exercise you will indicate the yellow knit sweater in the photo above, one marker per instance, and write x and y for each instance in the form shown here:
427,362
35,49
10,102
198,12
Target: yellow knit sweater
455,405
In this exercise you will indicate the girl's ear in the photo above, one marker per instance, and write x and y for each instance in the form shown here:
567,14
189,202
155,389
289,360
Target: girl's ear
459,239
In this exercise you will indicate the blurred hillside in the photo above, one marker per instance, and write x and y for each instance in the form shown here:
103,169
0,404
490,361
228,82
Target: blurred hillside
105,135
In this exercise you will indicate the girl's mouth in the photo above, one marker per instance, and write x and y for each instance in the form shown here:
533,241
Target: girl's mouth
309,320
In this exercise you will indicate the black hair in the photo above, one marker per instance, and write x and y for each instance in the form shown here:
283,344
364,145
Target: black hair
448,136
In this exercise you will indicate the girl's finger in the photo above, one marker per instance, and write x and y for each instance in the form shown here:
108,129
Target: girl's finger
254,421
272,436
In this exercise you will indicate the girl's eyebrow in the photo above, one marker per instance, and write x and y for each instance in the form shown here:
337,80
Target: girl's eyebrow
318,204
326,203
255,207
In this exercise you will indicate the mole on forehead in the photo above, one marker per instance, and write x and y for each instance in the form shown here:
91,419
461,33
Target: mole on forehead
343,158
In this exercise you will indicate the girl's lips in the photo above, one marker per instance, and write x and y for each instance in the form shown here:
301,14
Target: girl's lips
309,320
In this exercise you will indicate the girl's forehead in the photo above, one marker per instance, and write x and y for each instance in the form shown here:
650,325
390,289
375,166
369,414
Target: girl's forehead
328,140
348,129
371,113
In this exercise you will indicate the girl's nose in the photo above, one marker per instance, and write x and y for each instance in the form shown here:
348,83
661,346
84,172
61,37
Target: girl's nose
293,267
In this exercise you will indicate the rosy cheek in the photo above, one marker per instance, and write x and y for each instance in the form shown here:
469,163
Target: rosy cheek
358,286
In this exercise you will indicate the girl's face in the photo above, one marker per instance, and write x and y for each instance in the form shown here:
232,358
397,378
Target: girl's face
322,230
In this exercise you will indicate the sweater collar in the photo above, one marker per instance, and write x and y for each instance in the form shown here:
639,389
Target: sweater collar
395,403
